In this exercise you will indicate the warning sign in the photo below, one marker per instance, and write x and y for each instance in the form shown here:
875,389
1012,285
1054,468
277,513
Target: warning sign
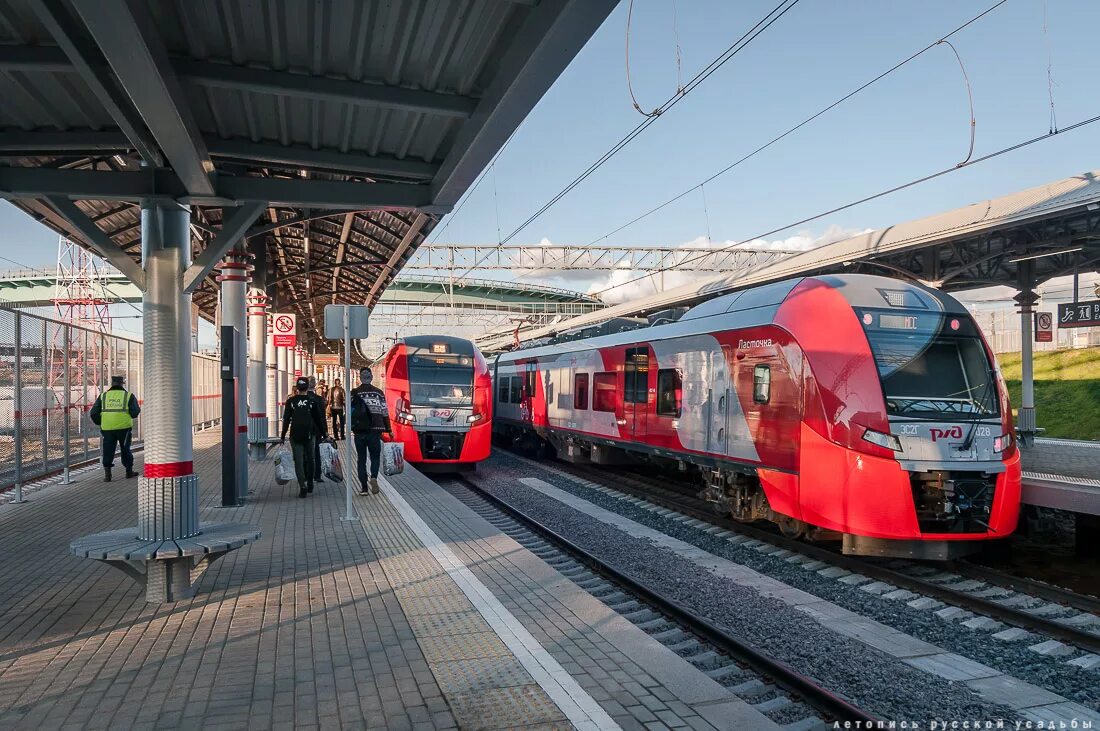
1044,327
284,329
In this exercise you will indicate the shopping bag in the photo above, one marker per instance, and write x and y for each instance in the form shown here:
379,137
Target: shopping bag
330,462
393,458
284,464
327,452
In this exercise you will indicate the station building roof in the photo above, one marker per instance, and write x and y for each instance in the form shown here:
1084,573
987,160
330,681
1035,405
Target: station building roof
334,135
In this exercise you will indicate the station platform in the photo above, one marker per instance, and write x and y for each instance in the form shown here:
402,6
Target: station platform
1063,474
419,614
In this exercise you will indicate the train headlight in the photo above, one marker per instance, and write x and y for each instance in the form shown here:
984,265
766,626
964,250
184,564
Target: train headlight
405,417
889,441
472,418
1002,443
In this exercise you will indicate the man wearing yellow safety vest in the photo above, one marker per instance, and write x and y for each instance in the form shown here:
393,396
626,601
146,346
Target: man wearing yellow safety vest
114,412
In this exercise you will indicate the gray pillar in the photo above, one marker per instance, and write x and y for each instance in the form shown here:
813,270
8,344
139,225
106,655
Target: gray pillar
234,283
168,492
282,366
271,381
1025,422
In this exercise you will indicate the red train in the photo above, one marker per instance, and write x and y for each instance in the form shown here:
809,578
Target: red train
848,406
439,393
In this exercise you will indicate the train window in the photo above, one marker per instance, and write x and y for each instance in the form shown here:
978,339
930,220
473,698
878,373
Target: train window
670,391
502,389
516,396
761,384
636,379
532,375
580,391
603,392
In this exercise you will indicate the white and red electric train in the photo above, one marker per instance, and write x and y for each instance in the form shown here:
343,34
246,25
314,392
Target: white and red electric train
849,404
439,395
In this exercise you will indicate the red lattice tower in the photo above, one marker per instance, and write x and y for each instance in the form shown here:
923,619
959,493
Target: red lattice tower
80,298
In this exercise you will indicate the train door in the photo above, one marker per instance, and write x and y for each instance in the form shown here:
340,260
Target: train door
719,393
636,390
527,402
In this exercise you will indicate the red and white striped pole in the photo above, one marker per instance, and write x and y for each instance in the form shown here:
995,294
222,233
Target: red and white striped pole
257,373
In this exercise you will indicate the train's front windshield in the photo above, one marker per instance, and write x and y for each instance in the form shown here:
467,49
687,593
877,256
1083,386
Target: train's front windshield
932,366
441,380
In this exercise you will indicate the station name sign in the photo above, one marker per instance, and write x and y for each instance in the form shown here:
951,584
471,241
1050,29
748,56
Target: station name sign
1079,314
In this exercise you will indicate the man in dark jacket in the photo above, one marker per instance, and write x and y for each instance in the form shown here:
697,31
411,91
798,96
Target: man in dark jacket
306,423
114,413
336,398
369,420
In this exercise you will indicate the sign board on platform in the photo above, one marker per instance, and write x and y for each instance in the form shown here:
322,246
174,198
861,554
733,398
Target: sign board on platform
1079,314
358,315
329,359
1044,327
284,329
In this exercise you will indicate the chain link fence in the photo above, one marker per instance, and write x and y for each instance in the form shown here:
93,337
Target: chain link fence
51,373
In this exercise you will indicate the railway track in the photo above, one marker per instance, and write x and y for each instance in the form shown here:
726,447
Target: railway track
1018,602
792,699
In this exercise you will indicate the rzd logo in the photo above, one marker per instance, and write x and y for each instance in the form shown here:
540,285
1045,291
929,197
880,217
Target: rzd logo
954,432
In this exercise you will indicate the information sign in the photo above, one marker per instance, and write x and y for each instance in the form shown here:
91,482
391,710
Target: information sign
1079,314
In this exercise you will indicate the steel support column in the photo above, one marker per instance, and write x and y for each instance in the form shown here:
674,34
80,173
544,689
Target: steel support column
257,358
234,278
168,491
1026,299
282,367
271,382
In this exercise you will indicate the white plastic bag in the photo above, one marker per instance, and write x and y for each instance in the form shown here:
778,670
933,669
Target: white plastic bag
284,464
393,458
330,462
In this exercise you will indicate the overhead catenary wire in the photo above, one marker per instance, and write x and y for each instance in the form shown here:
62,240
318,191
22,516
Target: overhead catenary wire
866,199
800,125
969,95
629,82
740,44
763,24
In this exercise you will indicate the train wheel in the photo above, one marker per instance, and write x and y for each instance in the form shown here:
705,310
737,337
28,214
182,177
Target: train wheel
791,527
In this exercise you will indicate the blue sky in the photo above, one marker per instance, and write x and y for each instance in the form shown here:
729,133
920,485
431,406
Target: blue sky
912,123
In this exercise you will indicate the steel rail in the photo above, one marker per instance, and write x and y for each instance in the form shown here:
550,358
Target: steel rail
1015,617
784,675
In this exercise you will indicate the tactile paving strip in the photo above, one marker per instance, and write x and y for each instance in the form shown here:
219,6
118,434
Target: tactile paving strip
516,707
452,623
466,676
463,647
447,603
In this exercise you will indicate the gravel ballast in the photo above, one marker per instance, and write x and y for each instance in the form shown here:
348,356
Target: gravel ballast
783,631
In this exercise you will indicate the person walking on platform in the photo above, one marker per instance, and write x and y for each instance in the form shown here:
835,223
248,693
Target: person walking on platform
369,420
336,407
306,423
316,395
114,413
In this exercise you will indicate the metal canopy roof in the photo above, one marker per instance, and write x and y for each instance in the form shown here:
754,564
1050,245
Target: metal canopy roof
333,133
979,245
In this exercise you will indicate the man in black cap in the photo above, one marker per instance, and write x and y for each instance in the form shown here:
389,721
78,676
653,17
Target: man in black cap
305,421
369,420
114,413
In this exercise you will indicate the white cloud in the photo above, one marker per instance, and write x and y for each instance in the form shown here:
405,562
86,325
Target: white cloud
624,285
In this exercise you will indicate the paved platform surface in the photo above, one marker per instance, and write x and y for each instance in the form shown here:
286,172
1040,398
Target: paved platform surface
1063,457
417,615
1063,474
